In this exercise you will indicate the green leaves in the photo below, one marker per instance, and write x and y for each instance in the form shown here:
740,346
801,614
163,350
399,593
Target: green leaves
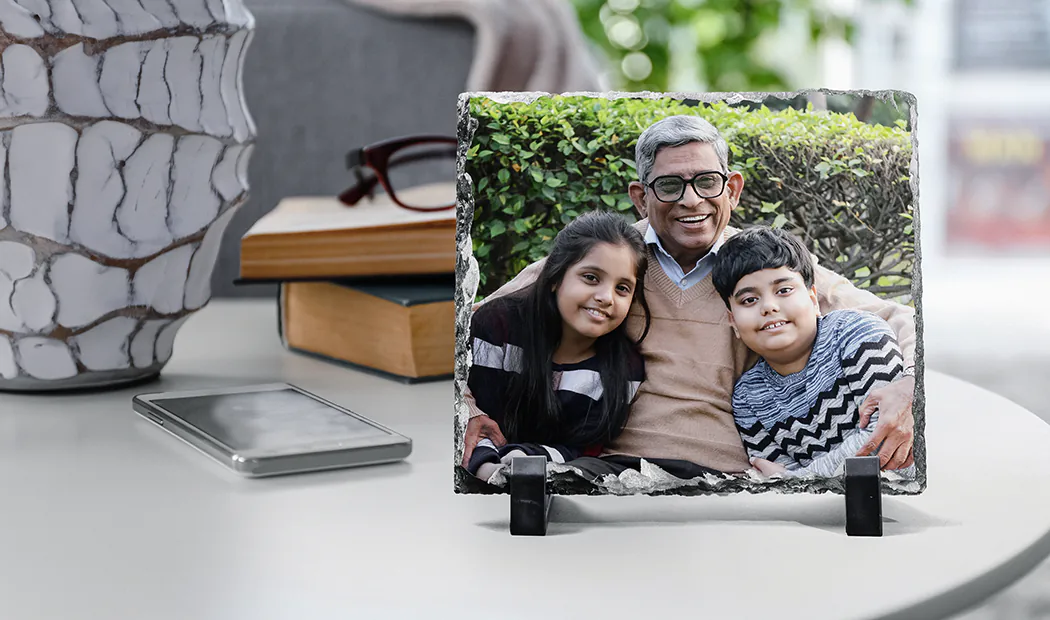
725,41
537,165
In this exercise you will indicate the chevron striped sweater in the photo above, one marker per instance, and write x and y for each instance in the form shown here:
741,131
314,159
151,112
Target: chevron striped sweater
809,421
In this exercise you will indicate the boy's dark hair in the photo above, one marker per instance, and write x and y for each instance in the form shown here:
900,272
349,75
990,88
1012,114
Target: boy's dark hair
533,412
755,249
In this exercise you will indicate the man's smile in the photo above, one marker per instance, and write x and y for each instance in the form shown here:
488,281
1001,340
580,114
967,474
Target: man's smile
693,220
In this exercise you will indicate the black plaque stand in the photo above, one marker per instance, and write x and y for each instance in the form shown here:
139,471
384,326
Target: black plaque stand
529,502
863,496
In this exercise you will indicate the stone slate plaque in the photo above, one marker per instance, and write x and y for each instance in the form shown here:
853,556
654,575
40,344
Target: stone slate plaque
765,366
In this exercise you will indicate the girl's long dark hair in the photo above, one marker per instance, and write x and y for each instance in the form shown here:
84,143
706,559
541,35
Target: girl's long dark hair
533,412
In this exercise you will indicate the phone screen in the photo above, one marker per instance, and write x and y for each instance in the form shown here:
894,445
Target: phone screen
268,420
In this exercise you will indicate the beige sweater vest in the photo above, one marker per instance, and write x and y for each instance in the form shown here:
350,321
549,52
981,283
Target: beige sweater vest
692,360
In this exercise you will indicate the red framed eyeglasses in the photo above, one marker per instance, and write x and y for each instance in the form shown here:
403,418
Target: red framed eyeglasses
416,172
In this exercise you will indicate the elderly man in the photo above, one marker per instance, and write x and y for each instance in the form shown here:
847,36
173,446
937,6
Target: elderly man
682,418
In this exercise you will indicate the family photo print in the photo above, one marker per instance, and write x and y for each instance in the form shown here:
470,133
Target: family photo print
688,294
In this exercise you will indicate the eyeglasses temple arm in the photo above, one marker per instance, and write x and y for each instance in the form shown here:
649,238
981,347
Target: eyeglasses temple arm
363,187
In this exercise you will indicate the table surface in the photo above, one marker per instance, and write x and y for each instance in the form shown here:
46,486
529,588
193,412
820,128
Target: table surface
106,516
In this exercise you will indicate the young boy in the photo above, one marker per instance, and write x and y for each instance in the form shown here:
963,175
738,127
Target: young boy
798,408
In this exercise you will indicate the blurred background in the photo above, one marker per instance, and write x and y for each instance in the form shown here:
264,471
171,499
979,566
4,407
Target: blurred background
325,76
980,71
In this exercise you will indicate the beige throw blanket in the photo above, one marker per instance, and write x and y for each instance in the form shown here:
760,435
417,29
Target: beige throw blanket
521,45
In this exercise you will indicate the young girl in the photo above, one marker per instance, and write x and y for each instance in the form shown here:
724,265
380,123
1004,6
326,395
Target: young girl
553,364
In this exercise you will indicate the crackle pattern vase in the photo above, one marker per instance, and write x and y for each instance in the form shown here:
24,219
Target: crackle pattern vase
124,148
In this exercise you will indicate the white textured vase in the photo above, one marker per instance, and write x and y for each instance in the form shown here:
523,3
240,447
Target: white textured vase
124,147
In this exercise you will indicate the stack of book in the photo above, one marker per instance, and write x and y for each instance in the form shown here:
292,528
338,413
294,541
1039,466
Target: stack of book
370,285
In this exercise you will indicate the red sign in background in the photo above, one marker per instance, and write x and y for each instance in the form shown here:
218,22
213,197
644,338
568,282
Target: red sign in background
999,186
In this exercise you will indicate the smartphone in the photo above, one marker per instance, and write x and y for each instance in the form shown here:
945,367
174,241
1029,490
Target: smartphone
272,429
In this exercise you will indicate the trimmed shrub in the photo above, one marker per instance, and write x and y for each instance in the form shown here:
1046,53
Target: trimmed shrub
840,184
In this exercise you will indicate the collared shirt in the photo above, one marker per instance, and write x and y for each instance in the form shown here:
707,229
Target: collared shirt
674,270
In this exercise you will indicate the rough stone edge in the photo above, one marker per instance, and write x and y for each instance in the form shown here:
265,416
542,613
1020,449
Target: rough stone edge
466,281
919,400
564,480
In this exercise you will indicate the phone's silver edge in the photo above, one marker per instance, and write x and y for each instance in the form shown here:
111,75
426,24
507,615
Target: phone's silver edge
249,463
310,462
188,434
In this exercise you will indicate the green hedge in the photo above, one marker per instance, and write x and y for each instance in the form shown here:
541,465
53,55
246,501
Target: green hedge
839,183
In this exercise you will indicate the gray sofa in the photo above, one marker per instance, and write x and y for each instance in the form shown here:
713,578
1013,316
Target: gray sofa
324,76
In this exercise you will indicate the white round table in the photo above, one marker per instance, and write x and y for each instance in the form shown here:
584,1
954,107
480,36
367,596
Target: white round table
105,516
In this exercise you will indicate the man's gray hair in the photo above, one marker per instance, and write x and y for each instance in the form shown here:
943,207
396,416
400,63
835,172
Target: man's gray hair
676,131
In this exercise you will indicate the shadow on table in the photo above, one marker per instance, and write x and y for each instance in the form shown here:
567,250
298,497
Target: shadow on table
828,513
334,477
163,382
